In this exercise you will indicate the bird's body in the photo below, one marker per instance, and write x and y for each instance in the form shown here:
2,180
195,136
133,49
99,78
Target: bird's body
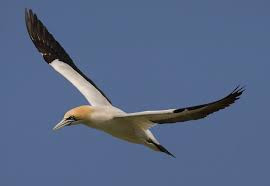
112,120
103,118
101,114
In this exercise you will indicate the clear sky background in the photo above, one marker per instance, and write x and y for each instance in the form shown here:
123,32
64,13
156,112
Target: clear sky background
144,55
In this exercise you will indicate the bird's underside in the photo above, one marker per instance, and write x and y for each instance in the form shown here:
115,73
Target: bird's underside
102,115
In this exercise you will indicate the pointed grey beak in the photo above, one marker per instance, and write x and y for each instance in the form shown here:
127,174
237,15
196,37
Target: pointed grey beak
61,124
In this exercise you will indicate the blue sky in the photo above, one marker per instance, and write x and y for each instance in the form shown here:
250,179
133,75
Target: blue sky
144,55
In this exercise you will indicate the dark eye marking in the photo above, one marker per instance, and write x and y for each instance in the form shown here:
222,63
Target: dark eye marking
72,118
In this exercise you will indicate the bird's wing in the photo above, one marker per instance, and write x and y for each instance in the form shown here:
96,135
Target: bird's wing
184,114
56,56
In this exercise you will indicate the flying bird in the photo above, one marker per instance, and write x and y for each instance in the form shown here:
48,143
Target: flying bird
100,112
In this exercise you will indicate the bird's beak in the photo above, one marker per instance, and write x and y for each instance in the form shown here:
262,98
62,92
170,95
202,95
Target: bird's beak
61,124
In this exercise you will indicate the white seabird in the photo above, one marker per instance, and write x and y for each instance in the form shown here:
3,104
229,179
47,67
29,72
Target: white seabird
102,115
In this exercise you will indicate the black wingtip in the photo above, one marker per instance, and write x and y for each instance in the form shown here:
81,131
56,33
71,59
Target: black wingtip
238,91
44,40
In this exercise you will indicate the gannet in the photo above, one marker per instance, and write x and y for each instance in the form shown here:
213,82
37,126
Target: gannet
100,112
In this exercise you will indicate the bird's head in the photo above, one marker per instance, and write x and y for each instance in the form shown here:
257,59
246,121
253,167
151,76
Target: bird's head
75,116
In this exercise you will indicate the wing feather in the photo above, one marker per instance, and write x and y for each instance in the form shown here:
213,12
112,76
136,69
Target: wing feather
55,55
187,113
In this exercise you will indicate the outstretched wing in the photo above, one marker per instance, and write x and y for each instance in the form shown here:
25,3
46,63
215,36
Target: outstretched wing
184,114
57,57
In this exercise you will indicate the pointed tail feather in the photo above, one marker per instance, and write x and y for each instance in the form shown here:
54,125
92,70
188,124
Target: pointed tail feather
163,149
160,148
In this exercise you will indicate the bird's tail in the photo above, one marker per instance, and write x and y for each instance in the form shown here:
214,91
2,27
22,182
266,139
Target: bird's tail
157,147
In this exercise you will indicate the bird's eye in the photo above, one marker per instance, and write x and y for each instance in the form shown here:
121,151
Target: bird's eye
71,118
